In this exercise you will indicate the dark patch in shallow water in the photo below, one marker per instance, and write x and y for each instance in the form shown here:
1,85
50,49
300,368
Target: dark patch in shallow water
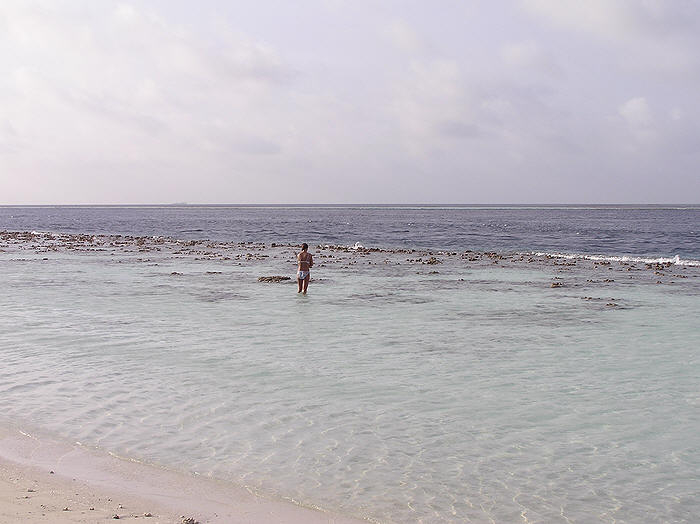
387,298
220,296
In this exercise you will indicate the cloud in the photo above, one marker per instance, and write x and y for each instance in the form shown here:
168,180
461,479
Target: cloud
152,101
529,56
429,101
457,129
620,20
650,34
522,54
405,37
120,84
636,112
639,121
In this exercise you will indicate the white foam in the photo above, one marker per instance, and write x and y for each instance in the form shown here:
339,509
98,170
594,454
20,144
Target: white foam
341,246
676,260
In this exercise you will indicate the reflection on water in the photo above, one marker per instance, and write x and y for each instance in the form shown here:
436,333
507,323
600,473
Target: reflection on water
476,393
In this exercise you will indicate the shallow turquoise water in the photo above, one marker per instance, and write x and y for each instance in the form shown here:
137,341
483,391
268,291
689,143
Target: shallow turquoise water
462,391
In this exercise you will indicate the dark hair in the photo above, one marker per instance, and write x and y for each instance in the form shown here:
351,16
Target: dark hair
304,246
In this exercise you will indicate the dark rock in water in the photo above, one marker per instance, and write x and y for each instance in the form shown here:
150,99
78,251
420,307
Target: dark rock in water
275,278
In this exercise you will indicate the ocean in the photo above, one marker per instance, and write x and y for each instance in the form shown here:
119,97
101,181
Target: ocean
610,230
449,364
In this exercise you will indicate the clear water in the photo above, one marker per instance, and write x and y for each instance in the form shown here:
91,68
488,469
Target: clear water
469,390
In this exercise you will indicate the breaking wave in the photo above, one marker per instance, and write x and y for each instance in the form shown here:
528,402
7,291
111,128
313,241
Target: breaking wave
675,260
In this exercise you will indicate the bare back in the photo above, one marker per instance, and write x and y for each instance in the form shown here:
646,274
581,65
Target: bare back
305,261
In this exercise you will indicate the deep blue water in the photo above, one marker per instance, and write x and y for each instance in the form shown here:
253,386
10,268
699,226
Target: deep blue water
638,231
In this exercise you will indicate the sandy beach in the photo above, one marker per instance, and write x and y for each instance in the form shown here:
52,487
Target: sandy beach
44,480
34,495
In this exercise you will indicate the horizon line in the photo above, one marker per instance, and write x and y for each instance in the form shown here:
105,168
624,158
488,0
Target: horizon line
333,204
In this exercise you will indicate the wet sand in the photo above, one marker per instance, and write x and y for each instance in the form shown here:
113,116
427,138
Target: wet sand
45,480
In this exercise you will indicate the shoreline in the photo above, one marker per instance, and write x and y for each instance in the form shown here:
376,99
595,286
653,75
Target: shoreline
43,479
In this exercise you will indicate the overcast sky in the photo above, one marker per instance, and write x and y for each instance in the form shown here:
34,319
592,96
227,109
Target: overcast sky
350,101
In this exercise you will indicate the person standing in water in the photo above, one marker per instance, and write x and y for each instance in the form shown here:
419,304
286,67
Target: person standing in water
305,261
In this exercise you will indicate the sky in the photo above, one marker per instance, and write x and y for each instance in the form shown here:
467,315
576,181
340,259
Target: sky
349,101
